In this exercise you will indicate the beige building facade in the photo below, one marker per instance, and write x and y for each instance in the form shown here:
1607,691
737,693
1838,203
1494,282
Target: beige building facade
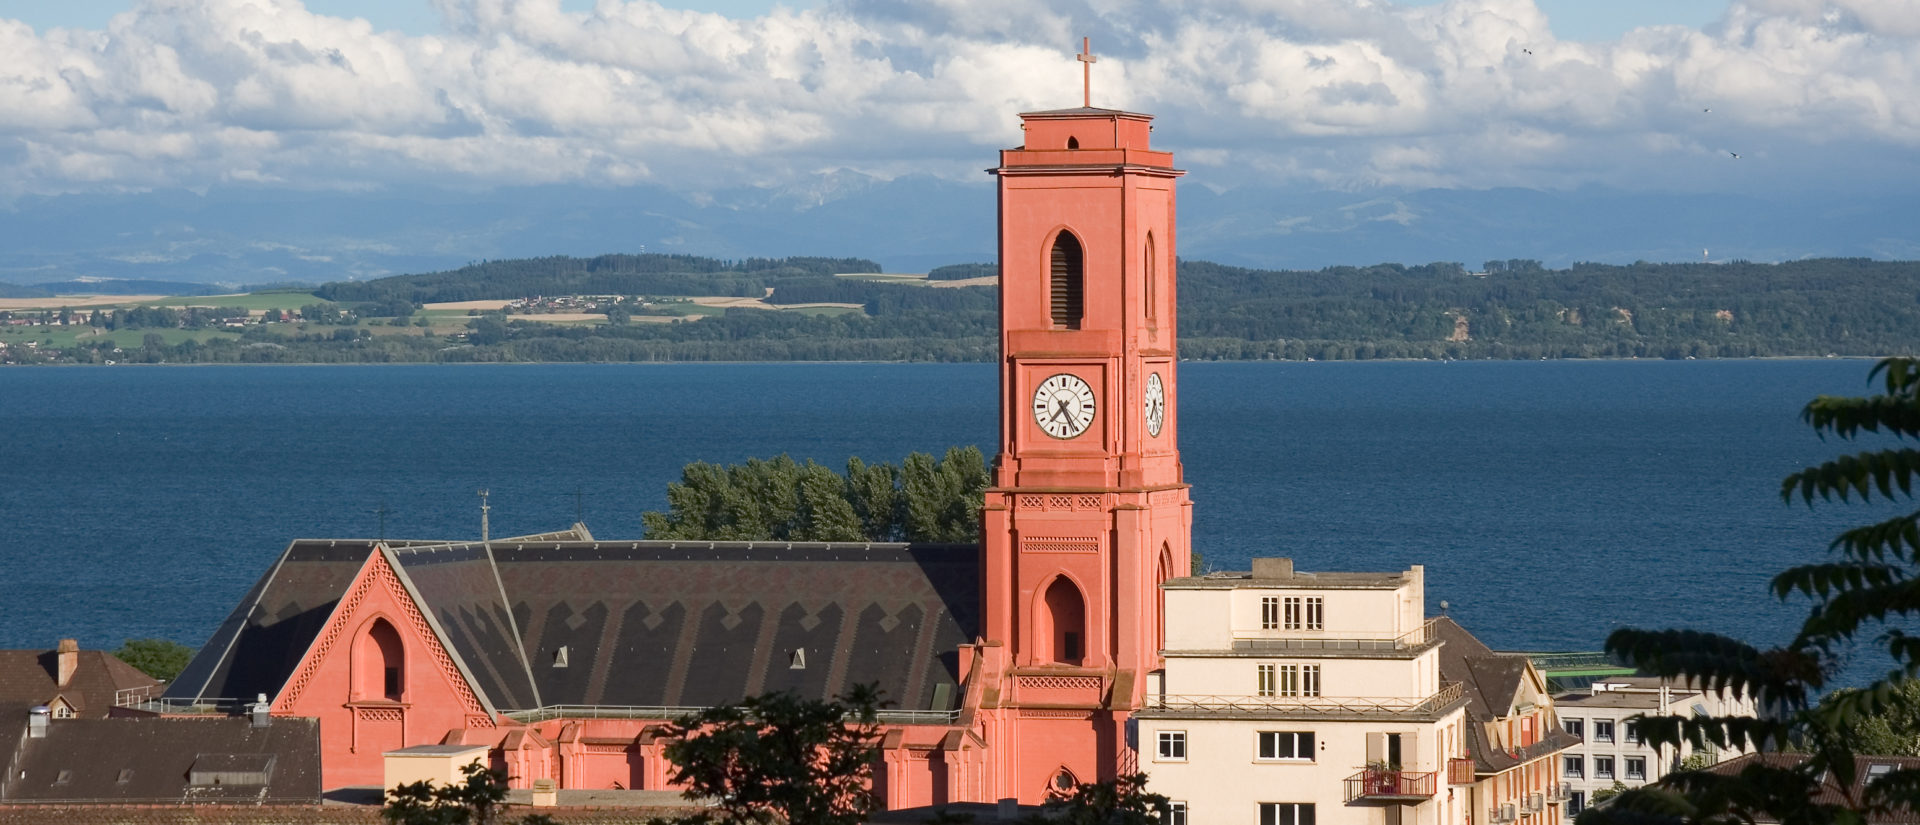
1611,748
1294,698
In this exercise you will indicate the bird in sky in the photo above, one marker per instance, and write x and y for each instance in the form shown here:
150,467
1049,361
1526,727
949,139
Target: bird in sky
1528,51
1736,155
1708,109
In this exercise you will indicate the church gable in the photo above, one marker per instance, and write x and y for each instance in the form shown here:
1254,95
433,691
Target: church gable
378,647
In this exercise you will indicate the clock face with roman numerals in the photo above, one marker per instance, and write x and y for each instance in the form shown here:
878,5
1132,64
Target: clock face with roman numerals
1063,406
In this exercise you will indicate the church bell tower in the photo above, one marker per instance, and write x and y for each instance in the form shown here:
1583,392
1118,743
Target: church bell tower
1088,511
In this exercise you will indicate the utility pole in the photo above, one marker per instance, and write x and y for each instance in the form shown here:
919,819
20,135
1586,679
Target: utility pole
382,512
484,507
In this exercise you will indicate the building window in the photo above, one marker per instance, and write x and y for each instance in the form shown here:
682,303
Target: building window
1297,745
1304,612
1269,612
1603,767
61,711
1575,767
1264,682
1286,813
1576,802
1299,680
1065,285
1631,732
1173,745
1636,767
1603,730
1577,727
1176,813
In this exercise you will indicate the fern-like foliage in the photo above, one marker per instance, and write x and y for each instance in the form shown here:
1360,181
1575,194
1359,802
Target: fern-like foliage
1864,592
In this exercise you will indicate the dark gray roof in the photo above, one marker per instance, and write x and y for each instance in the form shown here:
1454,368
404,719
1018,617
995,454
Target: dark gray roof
636,623
1490,680
703,623
161,759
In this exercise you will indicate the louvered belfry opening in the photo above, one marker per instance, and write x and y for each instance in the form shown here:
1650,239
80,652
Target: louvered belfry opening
1066,282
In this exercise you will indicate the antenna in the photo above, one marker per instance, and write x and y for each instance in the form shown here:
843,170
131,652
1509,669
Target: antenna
382,512
484,507
1443,607
579,505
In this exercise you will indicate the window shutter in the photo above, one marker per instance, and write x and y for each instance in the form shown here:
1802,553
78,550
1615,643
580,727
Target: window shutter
1067,282
1376,747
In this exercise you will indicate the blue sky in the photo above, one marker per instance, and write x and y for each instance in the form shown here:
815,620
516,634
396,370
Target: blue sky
1728,96
1572,19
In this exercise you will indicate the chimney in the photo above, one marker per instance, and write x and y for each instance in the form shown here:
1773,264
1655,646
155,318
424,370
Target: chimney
545,793
69,655
258,711
1278,568
37,721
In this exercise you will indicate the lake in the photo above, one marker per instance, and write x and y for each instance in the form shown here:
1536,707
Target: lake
1550,502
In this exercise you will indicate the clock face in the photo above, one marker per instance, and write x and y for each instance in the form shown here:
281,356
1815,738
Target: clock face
1063,406
1156,403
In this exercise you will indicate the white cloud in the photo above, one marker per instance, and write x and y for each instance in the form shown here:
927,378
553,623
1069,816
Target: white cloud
1342,93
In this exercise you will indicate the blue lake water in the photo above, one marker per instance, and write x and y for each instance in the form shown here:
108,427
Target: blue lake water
1551,502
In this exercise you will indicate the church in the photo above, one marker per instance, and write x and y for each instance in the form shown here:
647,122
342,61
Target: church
1013,666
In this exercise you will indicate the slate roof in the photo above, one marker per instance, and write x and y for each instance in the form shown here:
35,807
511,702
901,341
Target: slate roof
31,677
260,643
1491,680
156,759
637,623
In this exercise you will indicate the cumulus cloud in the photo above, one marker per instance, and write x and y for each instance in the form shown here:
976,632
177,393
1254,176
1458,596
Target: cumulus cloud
1336,93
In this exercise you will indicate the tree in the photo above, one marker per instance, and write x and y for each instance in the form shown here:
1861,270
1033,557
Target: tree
781,758
1866,591
476,801
1894,733
159,658
783,500
1123,800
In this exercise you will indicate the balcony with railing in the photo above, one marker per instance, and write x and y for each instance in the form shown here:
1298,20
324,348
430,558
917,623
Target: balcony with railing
1284,641
1302,707
1382,785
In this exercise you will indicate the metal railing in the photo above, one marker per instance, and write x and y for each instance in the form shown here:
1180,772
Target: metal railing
1557,794
180,705
1293,640
1313,705
671,713
1374,783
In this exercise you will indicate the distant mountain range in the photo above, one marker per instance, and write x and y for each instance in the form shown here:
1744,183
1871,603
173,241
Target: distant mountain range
107,286
239,236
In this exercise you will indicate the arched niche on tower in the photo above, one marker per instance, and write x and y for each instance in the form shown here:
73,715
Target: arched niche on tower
1061,630
1066,281
379,662
1162,571
1150,266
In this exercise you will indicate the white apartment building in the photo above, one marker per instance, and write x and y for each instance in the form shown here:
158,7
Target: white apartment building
1294,698
1612,749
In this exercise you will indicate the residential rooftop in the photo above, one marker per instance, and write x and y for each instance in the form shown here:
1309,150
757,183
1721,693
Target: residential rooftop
1279,574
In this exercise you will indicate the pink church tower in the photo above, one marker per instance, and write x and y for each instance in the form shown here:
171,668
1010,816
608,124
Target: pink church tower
1088,512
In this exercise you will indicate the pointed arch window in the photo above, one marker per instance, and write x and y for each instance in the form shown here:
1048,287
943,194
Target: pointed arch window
380,663
1066,623
1066,284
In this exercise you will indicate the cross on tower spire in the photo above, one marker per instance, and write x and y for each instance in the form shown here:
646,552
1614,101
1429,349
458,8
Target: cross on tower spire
1087,60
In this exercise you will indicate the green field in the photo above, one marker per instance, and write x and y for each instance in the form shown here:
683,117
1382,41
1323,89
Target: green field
885,278
68,336
254,300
